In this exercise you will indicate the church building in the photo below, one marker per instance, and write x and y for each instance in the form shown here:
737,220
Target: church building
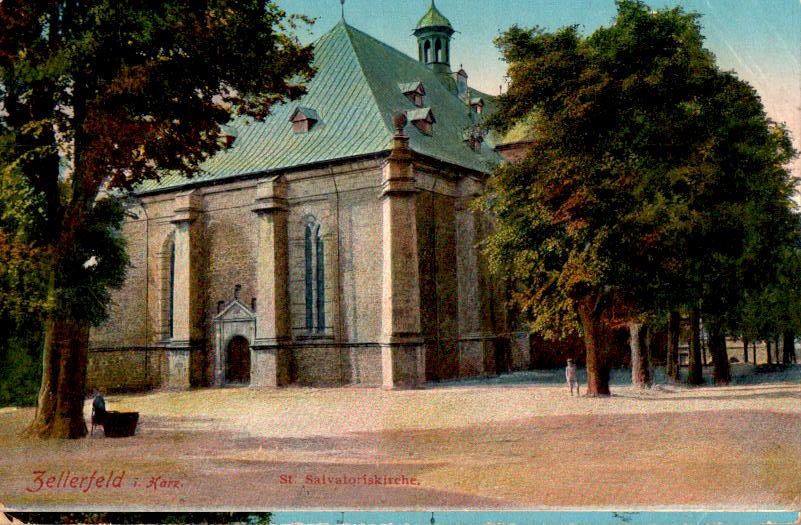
331,244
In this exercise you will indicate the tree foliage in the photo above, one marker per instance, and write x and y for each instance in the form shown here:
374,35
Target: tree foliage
653,182
98,96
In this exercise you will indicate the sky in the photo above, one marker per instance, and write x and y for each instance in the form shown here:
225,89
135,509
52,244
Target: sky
760,40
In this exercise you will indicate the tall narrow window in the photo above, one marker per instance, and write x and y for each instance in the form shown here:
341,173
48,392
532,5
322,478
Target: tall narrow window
320,284
309,278
171,289
438,51
427,50
314,251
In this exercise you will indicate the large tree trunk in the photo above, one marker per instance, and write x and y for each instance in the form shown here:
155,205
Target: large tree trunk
594,343
695,373
640,375
788,347
61,396
745,350
672,359
720,357
768,351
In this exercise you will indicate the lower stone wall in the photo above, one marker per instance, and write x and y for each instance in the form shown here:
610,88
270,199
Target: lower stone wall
309,364
335,365
442,359
126,369
476,357
365,365
520,352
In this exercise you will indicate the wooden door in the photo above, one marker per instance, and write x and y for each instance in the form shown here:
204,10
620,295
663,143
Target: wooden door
237,364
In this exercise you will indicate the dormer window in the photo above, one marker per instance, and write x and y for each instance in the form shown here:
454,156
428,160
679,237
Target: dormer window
423,119
474,137
228,135
477,104
414,92
303,119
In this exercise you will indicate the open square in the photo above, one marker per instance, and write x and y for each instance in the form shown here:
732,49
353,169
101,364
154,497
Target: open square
514,441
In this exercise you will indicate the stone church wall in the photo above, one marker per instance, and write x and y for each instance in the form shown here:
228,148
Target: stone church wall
436,231
127,311
345,203
126,369
458,306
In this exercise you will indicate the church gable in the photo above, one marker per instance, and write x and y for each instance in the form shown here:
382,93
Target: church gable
235,311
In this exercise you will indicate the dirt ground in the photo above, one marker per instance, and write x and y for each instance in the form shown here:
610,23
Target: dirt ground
517,441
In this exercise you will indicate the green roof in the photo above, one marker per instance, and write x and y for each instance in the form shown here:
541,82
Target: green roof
433,18
354,93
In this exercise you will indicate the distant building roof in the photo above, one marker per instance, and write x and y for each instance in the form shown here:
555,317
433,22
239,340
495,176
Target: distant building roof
356,87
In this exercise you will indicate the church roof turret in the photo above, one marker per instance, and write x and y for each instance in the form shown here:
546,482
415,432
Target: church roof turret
433,18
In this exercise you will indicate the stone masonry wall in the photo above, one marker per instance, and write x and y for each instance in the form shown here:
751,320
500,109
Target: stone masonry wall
126,369
127,310
345,201
438,284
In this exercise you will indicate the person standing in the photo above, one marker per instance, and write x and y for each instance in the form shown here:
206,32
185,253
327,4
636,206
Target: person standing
572,379
98,410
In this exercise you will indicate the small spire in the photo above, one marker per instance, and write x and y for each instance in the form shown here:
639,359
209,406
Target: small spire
342,4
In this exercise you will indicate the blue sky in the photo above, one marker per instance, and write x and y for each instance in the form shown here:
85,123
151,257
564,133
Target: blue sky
759,39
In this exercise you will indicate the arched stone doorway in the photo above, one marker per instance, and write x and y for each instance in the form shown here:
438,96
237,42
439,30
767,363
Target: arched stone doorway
234,330
237,361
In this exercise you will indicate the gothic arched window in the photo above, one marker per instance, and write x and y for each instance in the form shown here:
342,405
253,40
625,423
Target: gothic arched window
438,50
171,291
166,268
314,257
427,51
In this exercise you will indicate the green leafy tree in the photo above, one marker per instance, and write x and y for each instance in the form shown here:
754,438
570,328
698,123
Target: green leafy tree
746,226
22,285
644,159
586,218
124,91
776,309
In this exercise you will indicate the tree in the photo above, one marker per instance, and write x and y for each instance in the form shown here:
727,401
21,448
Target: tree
22,294
654,183
747,222
587,222
122,92
776,308
672,354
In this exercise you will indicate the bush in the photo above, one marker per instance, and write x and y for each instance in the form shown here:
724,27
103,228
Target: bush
20,369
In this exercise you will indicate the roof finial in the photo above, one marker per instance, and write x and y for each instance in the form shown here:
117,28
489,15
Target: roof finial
342,4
